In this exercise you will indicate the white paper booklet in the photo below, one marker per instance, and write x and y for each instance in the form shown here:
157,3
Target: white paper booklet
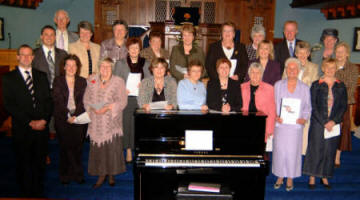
290,110
181,69
333,133
159,105
97,106
132,83
82,119
269,144
233,67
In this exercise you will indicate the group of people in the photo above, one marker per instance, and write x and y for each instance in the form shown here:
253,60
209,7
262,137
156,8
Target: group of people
70,76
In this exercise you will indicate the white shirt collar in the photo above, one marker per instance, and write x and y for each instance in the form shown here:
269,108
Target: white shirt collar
46,51
23,73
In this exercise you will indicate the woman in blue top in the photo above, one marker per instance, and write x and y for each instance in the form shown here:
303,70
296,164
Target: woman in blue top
191,93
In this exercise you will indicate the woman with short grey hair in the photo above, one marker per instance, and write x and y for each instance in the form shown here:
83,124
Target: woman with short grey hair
287,144
257,35
259,96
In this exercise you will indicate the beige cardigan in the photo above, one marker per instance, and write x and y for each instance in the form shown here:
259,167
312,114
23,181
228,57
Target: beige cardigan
310,73
78,49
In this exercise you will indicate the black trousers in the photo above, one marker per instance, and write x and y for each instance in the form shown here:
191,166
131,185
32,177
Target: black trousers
71,139
30,151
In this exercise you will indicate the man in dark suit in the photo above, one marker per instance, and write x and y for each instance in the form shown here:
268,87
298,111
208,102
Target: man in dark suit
286,48
27,98
48,58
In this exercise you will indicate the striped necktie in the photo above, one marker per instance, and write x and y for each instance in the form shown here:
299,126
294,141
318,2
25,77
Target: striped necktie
51,68
291,49
30,86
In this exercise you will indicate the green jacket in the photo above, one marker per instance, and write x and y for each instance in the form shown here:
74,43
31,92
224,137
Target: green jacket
178,58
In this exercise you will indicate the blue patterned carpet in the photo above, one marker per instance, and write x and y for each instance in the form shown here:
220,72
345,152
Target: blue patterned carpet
346,181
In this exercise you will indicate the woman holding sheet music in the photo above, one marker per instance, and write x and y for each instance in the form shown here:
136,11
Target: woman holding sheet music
293,109
158,88
68,93
105,99
329,103
132,69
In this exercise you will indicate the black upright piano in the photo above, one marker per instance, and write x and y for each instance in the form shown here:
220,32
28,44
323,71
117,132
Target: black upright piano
174,149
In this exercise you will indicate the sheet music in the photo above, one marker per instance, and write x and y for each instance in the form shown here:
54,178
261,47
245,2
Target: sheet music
333,133
233,67
290,110
159,105
98,106
269,144
132,83
82,119
181,69
199,140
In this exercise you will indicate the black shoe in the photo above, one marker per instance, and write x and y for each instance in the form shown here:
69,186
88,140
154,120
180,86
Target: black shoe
311,186
96,186
327,186
65,182
112,184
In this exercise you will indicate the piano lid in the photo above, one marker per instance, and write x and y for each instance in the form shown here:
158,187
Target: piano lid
163,132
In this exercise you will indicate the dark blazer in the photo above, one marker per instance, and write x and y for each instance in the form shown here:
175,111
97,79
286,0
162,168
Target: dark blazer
319,96
40,61
61,96
282,53
213,95
18,101
215,52
271,73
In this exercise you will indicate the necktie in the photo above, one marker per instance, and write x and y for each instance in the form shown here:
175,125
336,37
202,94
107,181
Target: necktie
61,44
51,67
291,49
30,86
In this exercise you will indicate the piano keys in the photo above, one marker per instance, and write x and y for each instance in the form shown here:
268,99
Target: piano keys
163,163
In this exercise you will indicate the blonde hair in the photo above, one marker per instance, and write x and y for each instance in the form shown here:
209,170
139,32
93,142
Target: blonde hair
271,55
302,45
345,45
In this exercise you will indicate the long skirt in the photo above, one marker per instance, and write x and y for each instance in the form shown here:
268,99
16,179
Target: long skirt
345,138
129,122
71,139
287,149
320,155
108,159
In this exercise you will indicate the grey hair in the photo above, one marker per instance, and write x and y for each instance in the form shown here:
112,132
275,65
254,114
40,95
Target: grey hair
292,60
108,60
256,65
61,10
257,28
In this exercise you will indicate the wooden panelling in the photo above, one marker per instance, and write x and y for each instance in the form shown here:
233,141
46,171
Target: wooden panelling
141,12
8,58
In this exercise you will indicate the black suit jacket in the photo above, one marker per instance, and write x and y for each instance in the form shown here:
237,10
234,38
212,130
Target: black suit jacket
213,95
61,96
215,52
18,101
282,53
40,61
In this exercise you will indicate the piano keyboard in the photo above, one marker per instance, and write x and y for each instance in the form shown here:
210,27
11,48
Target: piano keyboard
201,163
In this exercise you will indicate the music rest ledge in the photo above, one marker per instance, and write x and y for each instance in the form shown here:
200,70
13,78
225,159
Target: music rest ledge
176,148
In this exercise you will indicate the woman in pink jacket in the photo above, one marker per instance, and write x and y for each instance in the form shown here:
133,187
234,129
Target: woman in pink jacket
259,96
